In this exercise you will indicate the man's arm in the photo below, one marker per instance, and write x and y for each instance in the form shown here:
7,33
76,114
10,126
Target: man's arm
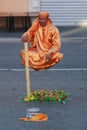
29,35
55,44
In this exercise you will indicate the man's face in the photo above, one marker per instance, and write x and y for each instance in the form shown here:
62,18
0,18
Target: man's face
43,21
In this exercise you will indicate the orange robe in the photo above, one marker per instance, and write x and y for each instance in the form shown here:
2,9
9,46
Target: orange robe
42,40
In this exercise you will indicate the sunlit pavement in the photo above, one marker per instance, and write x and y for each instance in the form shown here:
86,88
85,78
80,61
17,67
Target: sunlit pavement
69,75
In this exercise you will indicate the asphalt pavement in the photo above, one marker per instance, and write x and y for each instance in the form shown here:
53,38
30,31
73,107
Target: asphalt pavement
69,75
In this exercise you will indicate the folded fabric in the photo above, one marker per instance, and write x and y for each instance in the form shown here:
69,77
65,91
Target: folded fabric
44,45
37,117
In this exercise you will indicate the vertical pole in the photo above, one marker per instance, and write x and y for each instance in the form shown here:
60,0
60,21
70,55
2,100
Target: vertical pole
27,69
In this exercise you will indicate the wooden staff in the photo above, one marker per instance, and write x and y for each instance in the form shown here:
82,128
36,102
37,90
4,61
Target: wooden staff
27,69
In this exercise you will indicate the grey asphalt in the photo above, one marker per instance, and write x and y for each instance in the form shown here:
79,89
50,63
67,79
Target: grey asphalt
69,75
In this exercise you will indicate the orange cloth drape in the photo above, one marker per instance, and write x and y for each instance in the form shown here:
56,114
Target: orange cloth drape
37,117
42,40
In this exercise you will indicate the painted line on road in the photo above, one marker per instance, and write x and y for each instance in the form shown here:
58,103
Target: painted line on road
62,39
10,39
53,69
77,30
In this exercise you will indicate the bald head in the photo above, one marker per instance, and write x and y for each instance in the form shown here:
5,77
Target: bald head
44,14
43,18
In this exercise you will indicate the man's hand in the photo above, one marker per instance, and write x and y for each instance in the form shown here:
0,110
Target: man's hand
48,57
24,38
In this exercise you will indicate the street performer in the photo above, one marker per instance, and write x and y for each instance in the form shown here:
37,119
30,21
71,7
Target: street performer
44,41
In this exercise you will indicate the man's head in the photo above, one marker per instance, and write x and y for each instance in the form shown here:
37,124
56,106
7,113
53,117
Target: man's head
43,18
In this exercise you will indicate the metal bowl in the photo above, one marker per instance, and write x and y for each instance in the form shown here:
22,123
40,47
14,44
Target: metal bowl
32,111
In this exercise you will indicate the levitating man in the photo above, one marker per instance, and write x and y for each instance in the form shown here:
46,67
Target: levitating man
44,40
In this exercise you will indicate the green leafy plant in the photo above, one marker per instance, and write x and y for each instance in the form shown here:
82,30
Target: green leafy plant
47,95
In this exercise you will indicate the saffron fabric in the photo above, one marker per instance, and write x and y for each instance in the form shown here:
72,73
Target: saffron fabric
37,117
42,41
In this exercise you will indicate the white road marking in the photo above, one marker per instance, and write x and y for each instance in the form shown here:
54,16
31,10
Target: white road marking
62,39
52,69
